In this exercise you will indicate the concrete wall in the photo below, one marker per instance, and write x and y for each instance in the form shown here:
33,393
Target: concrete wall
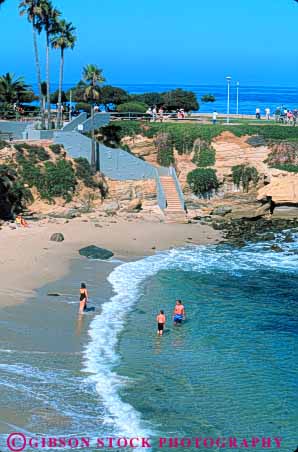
121,165
17,128
116,164
34,134
100,120
73,125
76,144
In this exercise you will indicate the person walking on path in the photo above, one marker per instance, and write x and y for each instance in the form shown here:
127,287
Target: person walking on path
161,321
214,117
267,113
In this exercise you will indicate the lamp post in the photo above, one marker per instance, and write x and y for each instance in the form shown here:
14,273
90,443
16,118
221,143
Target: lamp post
70,102
237,100
228,79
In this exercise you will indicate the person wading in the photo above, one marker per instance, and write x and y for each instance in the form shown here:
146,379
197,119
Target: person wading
161,321
179,313
83,298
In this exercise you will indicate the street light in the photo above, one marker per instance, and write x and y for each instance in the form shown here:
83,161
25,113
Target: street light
70,105
237,100
228,79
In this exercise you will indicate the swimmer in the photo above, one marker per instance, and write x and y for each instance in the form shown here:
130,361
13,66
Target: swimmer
161,321
179,313
83,298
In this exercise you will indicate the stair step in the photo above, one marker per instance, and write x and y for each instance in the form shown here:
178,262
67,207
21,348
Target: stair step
174,213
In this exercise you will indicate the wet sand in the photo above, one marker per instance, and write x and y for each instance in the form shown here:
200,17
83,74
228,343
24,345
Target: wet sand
29,260
42,341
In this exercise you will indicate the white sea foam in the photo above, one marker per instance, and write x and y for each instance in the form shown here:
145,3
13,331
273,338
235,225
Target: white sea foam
101,352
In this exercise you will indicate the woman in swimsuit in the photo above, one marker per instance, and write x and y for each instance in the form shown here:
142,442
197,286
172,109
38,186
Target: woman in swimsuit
83,298
179,312
161,321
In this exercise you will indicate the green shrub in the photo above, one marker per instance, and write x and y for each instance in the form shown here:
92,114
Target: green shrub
179,98
3,144
165,151
35,153
56,148
58,180
134,107
83,106
204,155
38,153
52,179
84,172
208,98
184,135
202,180
243,175
30,172
112,134
17,195
290,167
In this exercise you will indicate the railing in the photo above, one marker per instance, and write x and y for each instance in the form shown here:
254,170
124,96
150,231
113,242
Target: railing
178,187
161,197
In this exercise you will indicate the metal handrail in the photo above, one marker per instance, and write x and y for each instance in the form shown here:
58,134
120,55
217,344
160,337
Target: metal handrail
178,187
161,197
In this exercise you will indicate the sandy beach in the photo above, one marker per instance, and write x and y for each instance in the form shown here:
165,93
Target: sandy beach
29,260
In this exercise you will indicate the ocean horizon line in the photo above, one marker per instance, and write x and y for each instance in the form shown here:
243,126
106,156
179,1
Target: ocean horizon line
178,84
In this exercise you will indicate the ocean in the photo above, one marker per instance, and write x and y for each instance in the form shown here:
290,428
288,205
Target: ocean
229,371
250,96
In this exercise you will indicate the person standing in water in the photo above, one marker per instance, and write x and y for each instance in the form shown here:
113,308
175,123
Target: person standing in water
83,298
179,313
161,321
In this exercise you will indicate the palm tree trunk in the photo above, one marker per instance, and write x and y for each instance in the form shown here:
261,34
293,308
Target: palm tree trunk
93,157
38,72
48,82
59,116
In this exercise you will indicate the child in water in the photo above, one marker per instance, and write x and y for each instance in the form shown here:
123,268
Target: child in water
161,321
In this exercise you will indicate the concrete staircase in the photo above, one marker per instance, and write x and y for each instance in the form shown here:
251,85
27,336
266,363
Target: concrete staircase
174,211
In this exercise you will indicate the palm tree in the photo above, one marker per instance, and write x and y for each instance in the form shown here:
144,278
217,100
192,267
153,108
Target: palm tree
92,74
32,9
49,21
64,39
14,89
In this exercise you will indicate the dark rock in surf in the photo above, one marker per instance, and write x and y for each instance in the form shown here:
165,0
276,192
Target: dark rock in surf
94,252
276,248
289,238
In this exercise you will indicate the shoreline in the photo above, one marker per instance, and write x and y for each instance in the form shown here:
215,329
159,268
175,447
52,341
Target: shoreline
29,260
59,344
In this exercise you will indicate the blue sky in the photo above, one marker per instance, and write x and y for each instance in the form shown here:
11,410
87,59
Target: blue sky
166,41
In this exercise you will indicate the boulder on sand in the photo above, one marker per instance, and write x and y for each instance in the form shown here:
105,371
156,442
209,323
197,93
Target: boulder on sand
134,206
94,252
111,208
57,237
222,210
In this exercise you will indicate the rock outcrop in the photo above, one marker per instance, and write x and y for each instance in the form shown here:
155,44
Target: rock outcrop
281,190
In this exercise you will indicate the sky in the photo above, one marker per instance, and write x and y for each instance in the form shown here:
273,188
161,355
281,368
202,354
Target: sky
165,41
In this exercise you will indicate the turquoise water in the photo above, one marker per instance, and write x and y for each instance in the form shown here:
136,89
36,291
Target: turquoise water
229,371
231,368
